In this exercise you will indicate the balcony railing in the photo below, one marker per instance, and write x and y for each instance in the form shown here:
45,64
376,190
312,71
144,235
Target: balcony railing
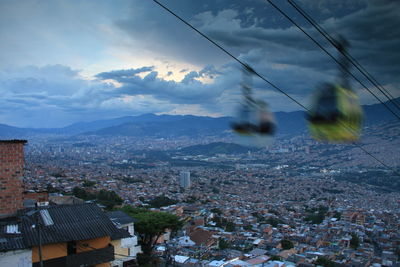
87,258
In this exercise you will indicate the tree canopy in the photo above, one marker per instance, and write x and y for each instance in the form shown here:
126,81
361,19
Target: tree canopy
161,201
150,225
324,262
286,244
355,241
104,197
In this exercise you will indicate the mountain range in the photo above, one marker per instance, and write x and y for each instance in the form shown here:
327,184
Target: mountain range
158,126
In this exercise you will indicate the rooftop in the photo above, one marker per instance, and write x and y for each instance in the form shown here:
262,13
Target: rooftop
13,141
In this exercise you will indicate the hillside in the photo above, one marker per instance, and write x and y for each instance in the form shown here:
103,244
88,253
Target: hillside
157,126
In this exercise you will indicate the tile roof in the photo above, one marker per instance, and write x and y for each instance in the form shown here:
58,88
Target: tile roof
200,236
70,222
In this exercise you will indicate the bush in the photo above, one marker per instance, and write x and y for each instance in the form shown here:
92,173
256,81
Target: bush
286,244
355,241
324,262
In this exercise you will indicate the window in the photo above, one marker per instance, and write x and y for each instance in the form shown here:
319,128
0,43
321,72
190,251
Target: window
71,247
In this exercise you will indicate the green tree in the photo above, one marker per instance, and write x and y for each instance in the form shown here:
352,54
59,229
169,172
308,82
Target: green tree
104,197
215,190
275,258
108,198
248,227
88,183
80,193
273,221
51,189
162,201
216,211
324,262
230,227
286,244
132,211
355,241
223,244
151,225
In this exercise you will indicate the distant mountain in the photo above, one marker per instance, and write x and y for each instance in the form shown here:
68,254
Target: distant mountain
288,123
7,130
216,148
291,123
167,126
378,113
151,125
82,127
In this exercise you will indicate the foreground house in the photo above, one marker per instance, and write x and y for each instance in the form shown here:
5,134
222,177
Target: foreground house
126,246
60,235
65,235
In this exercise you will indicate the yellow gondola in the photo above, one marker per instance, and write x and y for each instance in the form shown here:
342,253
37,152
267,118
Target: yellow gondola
254,123
335,115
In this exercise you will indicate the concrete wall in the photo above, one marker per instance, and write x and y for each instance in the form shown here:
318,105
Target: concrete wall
16,258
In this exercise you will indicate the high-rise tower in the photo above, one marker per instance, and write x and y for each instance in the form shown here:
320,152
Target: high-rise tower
184,180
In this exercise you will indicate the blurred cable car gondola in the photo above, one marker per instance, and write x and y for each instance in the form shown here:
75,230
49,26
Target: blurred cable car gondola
254,123
335,114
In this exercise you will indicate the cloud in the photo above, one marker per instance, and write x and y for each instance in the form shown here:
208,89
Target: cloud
123,73
56,95
371,30
133,57
190,90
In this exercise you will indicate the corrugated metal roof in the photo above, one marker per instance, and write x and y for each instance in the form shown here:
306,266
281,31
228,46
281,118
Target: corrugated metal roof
71,222
10,236
12,243
120,218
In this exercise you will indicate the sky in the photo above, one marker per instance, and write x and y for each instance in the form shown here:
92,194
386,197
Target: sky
67,61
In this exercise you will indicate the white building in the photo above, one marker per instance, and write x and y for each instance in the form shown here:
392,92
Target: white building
126,246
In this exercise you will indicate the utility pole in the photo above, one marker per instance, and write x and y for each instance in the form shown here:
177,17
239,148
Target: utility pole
39,235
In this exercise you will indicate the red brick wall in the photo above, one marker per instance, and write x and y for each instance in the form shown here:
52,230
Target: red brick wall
38,196
11,171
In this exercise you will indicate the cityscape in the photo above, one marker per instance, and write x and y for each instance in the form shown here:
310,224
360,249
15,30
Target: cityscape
208,133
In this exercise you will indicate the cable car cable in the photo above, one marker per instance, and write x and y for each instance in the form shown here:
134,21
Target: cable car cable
346,54
229,54
260,76
330,55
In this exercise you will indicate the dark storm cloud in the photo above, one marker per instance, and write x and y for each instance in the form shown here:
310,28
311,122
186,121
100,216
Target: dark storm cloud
372,31
165,35
284,54
188,91
123,73
43,92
